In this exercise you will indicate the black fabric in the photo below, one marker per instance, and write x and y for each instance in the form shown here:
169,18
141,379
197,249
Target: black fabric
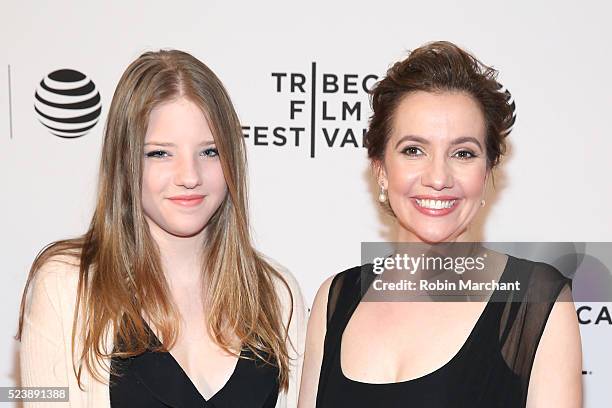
156,380
491,369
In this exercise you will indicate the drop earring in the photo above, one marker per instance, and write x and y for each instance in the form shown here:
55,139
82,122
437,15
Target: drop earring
382,197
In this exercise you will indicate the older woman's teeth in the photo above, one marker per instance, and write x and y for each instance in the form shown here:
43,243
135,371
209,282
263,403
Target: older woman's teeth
435,204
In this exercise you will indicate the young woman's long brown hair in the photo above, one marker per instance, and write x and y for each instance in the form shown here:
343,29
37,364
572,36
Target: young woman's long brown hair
121,279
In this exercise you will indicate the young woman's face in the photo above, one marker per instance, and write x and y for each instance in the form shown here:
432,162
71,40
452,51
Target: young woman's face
435,166
182,181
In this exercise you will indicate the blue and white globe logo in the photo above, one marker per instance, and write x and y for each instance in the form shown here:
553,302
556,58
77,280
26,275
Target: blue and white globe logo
67,103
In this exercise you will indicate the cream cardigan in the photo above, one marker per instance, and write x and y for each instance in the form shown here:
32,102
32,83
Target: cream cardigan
45,354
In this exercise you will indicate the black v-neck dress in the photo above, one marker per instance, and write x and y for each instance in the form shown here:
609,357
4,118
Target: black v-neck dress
156,380
491,369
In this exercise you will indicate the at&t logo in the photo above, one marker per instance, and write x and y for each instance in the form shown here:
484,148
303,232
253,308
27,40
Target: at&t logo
67,103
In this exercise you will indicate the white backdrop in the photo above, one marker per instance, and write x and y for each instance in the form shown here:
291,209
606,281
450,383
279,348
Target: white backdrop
311,213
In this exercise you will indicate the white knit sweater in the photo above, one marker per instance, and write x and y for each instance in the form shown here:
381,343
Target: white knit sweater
45,354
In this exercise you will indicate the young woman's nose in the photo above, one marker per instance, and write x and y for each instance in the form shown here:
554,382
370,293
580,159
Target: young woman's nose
187,172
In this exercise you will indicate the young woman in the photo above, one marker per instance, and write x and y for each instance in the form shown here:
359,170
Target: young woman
437,131
164,301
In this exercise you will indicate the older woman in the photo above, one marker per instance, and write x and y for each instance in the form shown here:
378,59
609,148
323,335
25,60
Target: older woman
436,134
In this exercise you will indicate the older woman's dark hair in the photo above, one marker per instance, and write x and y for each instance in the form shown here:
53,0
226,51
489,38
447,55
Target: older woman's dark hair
438,67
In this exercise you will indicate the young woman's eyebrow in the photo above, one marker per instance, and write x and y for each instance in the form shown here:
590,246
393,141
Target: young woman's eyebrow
160,144
168,144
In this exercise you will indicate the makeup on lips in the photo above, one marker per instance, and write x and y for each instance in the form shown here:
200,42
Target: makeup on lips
435,206
187,200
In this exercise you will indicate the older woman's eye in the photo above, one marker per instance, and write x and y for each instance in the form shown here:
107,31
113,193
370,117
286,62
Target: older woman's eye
157,153
212,152
465,154
412,151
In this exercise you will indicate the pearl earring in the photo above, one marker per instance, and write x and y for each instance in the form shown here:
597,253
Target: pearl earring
482,203
382,197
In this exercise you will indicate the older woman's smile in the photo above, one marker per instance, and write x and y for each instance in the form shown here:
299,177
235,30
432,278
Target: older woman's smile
435,207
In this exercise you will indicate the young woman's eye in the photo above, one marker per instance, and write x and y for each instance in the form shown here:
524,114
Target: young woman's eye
465,154
211,152
412,151
157,153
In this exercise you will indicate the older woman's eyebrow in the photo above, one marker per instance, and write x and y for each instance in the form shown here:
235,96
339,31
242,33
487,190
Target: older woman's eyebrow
412,138
422,140
465,139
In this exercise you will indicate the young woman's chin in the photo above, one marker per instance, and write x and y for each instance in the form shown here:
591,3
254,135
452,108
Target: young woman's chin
184,230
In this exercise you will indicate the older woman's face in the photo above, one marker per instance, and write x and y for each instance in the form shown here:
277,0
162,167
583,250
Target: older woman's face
435,165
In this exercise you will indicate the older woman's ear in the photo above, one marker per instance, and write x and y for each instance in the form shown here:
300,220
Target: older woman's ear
379,173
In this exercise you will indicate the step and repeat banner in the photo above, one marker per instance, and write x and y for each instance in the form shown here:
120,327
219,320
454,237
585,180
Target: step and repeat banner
299,74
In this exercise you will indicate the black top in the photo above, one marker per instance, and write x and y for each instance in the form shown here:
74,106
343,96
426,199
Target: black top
491,369
156,380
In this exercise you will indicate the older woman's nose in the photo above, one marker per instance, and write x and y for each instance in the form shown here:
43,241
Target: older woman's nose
437,174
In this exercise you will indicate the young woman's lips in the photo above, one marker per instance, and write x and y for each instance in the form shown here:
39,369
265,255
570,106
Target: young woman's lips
187,201
435,212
